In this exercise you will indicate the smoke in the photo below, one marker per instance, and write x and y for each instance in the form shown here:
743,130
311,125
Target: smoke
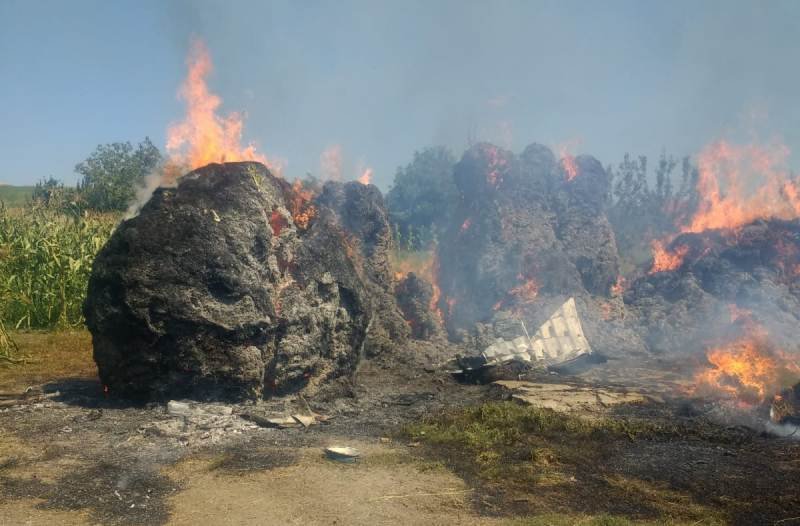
330,163
632,76
637,77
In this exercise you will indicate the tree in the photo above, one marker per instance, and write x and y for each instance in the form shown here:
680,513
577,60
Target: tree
112,173
640,213
422,196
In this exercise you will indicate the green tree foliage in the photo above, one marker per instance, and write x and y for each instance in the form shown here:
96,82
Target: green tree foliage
422,197
645,208
113,172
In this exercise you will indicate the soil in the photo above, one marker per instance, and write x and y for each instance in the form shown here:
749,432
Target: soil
79,457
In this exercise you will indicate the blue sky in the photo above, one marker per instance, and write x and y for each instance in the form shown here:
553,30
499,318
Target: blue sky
385,78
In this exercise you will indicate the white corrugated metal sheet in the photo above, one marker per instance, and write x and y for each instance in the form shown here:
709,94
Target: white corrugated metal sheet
559,339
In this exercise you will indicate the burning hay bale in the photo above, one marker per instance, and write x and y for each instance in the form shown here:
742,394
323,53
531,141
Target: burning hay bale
360,210
231,285
414,297
755,267
528,233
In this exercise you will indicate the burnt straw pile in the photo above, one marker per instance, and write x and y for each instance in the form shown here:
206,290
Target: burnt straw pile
235,284
715,276
529,232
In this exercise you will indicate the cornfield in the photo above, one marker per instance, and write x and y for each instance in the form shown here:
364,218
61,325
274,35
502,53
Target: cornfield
45,260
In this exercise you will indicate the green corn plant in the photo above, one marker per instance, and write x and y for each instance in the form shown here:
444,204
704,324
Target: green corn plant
45,261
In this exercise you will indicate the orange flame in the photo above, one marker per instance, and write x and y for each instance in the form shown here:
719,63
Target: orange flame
567,159
523,294
664,260
203,136
570,167
300,205
366,177
618,288
426,266
526,292
739,184
747,370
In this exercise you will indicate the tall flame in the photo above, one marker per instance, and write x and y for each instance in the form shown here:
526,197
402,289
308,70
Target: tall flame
203,136
739,184
567,159
570,167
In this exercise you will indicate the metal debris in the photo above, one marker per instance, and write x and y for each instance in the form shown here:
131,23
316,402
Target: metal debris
283,422
344,454
560,339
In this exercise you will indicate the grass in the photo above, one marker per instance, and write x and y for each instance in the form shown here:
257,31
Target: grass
508,440
531,459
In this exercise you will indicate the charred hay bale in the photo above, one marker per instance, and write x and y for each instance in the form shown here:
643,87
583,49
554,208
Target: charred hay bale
523,230
414,297
214,291
754,267
584,229
361,211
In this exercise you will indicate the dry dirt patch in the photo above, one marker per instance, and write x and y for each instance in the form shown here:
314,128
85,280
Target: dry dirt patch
25,511
384,488
49,356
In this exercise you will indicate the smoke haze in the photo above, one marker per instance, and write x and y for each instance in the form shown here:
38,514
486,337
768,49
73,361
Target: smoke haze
381,80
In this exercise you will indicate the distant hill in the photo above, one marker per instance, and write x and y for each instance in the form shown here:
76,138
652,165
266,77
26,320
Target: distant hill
14,196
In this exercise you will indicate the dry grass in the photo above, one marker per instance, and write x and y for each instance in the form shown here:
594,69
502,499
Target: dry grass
539,459
48,356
